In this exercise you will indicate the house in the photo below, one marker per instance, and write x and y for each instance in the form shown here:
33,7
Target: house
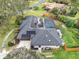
40,32
50,6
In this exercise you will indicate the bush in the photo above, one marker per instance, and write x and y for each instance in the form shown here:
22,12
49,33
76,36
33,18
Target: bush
23,53
36,8
72,12
56,11
19,20
10,44
67,21
70,23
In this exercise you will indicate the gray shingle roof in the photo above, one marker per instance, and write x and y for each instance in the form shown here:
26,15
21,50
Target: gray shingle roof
27,21
44,36
25,26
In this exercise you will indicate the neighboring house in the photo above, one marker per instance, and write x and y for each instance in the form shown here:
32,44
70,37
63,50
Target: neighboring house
50,6
41,33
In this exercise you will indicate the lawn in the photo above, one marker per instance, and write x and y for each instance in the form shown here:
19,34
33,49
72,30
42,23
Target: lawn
33,12
68,37
61,54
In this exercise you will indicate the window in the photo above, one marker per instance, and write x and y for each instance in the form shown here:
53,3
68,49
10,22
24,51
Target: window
25,37
30,33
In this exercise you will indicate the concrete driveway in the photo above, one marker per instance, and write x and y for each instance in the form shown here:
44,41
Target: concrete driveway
25,44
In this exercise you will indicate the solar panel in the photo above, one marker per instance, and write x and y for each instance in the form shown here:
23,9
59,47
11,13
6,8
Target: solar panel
31,32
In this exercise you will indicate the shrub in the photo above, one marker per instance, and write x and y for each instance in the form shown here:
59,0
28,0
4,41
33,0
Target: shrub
70,23
19,20
72,12
36,8
23,53
10,44
56,11
67,21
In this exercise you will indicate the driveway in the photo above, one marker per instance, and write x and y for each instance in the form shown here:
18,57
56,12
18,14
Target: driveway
25,44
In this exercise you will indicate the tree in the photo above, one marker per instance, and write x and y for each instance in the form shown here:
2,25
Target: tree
9,8
61,1
72,11
23,53
67,21
56,11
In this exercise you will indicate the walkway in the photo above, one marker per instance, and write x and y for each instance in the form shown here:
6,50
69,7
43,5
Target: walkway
6,37
4,52
25,44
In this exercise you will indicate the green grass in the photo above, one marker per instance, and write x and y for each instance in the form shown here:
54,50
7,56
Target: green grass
68,37
61,54
32,12
38,12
